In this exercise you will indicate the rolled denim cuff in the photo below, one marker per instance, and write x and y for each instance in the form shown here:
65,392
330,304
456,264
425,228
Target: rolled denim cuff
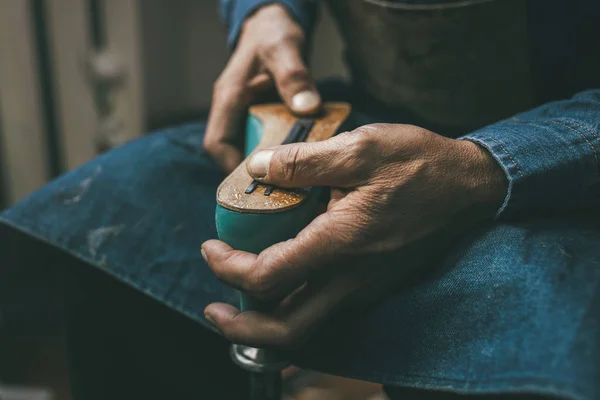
549,158
235,13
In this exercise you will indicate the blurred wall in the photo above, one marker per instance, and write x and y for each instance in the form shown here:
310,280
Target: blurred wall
184,50
55,69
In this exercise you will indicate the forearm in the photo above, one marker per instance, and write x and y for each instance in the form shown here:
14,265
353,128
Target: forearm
550,156
235,12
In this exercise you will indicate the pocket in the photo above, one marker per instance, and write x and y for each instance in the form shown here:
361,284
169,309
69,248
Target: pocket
452,63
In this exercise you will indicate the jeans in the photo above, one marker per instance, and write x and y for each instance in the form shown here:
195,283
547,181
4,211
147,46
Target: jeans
120,343
512,308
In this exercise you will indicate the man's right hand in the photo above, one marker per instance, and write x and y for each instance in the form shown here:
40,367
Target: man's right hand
269,52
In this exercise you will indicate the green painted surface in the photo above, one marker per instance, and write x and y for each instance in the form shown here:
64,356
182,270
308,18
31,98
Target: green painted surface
254,232
254,132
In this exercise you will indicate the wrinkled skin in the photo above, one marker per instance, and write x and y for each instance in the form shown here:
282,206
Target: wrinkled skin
268,54
399,193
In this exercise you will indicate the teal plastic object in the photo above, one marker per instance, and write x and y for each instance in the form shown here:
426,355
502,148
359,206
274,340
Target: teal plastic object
254,132
254,232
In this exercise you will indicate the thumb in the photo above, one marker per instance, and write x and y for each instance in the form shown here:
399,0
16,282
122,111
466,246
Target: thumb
325,163
292,79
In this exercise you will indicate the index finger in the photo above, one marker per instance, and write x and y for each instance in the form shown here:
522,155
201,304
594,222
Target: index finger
230,98
283,267
288,326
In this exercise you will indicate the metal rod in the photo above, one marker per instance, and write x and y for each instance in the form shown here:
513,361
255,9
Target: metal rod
265,368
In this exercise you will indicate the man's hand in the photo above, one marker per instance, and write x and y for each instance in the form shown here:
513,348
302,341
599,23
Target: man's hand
269,52
396,189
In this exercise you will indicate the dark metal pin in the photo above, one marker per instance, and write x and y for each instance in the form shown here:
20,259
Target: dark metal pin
251,188
298,133
307,125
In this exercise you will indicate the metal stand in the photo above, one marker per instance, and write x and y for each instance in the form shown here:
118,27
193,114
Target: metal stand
265,368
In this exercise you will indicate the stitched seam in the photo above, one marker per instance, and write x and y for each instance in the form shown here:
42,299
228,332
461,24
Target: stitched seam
585,128
508,154
584,138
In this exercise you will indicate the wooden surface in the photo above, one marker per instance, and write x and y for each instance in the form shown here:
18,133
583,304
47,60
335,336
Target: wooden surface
276,121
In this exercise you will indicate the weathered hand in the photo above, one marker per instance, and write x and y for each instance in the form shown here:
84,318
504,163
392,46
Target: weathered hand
268,52
394,187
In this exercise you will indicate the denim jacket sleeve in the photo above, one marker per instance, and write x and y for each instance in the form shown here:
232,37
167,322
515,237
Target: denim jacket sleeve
234,12
550,156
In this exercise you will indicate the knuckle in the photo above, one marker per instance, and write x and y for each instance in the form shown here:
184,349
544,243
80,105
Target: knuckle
225,92
362,147
210,145
260,284
293,73
279,42
269,50
290,163
207,143
365,139
230,94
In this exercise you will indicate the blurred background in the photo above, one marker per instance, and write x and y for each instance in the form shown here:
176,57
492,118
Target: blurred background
80,76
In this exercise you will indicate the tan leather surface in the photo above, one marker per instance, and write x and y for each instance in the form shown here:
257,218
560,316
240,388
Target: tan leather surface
277,121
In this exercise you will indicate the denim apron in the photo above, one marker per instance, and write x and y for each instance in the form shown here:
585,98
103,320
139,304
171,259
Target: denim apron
513,307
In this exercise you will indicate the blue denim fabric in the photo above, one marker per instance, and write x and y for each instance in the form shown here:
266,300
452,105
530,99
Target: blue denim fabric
512,308
550,156
234,12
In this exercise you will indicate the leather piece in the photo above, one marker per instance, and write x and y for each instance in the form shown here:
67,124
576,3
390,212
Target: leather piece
274,121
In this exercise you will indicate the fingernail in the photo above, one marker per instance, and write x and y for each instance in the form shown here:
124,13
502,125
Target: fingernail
306,101
210,319
258,166
203,254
